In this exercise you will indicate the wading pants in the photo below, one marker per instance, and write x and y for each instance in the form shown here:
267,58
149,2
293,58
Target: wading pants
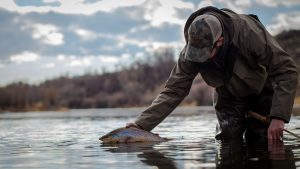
232,115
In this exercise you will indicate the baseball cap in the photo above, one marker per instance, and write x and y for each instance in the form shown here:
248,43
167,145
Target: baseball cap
203,32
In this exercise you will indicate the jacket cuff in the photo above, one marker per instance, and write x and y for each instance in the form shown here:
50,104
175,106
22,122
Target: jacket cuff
280,118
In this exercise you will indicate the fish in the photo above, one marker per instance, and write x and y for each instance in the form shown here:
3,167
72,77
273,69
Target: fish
130,135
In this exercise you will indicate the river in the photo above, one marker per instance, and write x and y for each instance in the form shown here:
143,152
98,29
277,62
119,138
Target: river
53,140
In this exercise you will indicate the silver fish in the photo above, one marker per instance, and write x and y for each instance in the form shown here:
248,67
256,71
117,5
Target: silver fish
129,135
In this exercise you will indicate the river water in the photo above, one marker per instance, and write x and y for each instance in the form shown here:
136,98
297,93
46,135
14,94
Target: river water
61,140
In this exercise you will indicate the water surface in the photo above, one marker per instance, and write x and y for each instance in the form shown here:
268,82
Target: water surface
70,140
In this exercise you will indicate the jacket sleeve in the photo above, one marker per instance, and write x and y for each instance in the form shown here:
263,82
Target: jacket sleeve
281,69
284,76
176,88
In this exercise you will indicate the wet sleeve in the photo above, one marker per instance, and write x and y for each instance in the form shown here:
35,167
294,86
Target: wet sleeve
281,69
176,89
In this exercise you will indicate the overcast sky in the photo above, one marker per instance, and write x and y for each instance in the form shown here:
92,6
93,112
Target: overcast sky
43,39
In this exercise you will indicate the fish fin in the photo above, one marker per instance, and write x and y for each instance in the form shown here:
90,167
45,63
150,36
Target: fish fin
156,134
116,130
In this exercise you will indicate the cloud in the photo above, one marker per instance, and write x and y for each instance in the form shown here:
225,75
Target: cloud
50,1
276,3
284,21
24,57
61,57
54,33
15,39
80,62
238,6
71,6
86,34
159,12
205,3
51,34
72,35
49,65
47,33
108,59
75,61
146,43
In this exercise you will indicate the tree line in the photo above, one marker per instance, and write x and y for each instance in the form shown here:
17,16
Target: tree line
136,85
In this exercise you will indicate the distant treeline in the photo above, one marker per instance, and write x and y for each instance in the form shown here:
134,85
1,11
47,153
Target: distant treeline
136,85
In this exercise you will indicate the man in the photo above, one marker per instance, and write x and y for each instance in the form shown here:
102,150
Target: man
237,56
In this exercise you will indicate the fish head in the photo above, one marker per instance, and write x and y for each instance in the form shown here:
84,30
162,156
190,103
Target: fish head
113,137
110,138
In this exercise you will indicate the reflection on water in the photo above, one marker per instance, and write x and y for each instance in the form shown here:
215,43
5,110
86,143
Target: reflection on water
70,140
255,154
231,155
146,153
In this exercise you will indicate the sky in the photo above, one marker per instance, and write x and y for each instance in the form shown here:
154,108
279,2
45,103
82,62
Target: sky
45,39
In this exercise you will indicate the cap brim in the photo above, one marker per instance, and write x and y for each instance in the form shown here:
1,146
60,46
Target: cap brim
195,54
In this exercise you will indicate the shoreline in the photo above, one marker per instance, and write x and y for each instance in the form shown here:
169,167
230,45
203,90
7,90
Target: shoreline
188,110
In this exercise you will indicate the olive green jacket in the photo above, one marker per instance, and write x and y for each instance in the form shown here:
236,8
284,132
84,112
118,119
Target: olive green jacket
257,56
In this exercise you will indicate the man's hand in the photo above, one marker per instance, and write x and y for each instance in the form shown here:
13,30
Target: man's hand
132,125
275,131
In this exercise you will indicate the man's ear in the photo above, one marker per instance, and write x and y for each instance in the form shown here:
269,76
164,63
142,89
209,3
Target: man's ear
220,41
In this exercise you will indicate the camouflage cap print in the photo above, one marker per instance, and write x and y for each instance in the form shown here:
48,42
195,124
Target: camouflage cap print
203,32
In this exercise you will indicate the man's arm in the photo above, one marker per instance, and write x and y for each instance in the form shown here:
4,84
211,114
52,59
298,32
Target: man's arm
177,87
282,71
284,76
